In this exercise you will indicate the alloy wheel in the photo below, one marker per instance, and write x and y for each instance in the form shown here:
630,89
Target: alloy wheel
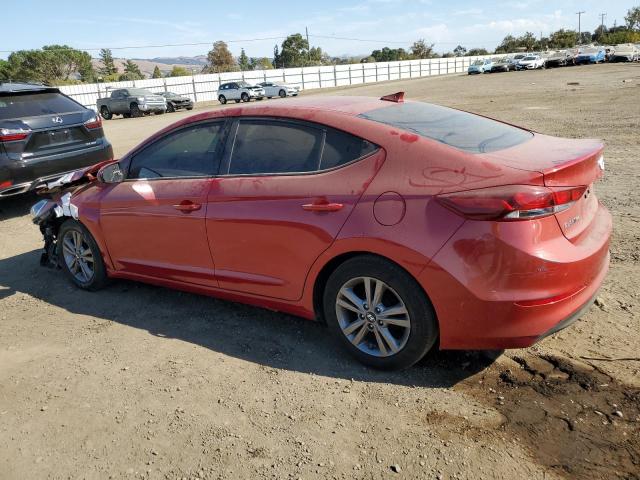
78,256
373,317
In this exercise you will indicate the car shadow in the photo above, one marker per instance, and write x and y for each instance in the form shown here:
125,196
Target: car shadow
17,205
268,338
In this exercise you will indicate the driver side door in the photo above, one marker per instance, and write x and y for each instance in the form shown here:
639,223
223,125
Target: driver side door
154,221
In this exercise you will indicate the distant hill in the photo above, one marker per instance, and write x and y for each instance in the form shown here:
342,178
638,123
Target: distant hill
165,64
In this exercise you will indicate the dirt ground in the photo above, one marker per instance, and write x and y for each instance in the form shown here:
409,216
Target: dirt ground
142,382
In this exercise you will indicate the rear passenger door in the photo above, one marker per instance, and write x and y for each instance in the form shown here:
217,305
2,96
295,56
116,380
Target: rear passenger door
285,190
234,92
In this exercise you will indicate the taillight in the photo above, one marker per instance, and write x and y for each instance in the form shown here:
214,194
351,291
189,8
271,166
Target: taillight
12,134
5,184
511,202
93,123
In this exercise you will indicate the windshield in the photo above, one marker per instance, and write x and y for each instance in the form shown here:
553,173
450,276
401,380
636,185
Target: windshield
243,84
478,62
139,92
461,130
529,58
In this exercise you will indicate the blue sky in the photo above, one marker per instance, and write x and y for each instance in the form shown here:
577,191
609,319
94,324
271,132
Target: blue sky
31,24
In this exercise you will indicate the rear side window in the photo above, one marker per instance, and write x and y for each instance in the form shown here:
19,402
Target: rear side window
341,148
191,152
34,104
461,130
275,147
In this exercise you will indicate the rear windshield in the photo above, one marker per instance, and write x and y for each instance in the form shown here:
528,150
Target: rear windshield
34,104
461,130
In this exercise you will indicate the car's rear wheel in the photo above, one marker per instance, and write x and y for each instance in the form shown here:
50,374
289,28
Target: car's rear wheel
135,110
170,108
189,108
222,99
379,313
282,93
244,97
80,256
106,113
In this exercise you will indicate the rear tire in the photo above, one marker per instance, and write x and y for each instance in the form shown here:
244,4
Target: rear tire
222,99
366,331
106,113
135,110
80,257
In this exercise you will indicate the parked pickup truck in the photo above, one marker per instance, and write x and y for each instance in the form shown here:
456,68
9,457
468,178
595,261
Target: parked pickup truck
131,102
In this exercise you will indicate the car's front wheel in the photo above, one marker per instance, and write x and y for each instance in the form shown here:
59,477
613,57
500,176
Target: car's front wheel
379,313
135,110
170,108
222,99
244,97
80,256
282,93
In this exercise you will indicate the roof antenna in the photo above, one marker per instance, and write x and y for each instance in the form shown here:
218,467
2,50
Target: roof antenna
397,97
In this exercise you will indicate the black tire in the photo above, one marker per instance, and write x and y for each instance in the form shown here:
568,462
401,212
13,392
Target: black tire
170,108
160,112
126,115
282,93
189,108
99,278
222,99
423,332
238,101
135,110
269,98
245,97
106,113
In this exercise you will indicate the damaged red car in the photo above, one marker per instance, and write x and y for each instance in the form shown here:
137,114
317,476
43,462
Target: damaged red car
403,225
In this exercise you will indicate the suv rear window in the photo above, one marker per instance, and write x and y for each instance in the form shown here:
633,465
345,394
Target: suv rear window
34,104
461,130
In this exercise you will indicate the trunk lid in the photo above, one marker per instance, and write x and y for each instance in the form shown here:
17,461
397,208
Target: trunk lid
562,162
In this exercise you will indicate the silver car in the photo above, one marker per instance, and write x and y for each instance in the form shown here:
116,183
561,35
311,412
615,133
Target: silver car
240,92
279,89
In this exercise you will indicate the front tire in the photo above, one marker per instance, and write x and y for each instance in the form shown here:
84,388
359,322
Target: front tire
379,313
170,108
80,256
222,99
282,93
244,97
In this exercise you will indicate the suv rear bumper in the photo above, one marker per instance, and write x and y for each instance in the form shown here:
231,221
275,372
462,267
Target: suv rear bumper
26,176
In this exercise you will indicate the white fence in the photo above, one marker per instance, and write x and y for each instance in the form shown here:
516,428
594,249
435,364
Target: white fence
202,88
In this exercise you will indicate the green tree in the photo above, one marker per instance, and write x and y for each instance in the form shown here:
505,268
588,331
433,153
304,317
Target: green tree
220,59
261,64
108,66
276,56
387,54
633,18
133,69
475,52
420,49
243,61
460,51
53,64
177,71
294,52
563,38
156,72
5,71
585,37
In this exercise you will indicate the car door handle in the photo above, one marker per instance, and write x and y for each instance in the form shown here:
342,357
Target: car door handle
187,206
322,207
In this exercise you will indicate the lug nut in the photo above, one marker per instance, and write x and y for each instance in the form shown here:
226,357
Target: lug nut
365,306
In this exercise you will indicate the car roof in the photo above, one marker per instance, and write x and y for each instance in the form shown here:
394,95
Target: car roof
350,105
14,87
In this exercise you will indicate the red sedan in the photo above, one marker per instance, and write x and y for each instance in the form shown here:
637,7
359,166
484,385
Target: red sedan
401,224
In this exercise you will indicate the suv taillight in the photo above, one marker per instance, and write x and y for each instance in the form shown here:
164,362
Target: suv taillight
93,123
511,202
12,134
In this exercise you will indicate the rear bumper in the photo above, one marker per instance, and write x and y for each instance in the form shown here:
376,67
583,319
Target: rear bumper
497,286
28,174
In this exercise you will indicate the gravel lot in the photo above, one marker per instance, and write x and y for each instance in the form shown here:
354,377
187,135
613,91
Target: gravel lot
141,382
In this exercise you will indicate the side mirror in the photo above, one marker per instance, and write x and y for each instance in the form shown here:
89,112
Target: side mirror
111,173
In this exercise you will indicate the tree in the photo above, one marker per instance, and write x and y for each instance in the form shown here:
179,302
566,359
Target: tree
633,18
460,51
294,52
585,37
276,56
156,72
476,52
243,61
220,59
387,54
5,71
108,67
563,38
133,69
420,49
53,64
261,63
177,71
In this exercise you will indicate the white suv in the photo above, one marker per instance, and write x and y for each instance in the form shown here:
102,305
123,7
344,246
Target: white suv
239,91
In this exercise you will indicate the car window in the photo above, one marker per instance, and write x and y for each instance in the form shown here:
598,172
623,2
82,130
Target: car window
461,130
34,104
263,146
341,148
190,152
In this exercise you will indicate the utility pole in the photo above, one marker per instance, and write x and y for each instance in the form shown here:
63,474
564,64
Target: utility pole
579,26
306,30
602,16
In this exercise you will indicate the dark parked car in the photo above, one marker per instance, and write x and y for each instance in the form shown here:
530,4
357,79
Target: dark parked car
43,135
131,102
176,102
